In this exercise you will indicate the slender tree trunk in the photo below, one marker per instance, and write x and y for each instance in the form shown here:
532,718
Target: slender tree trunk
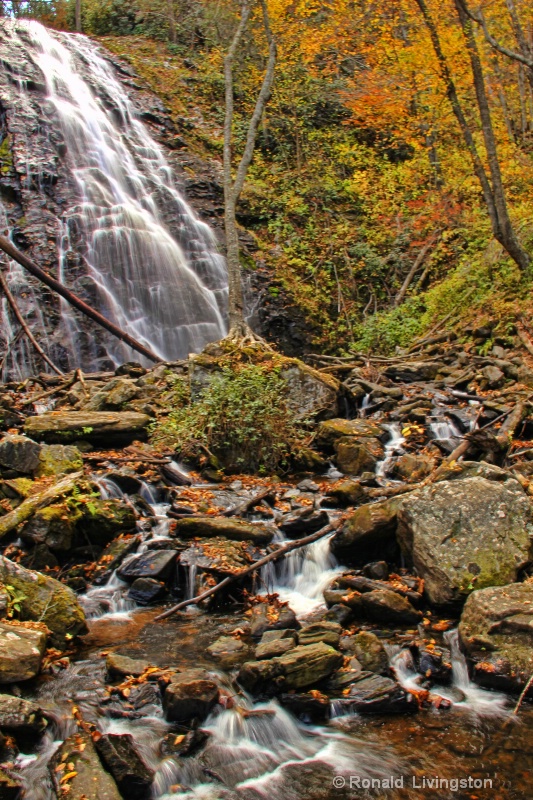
172,22
493,193
233,185
78,16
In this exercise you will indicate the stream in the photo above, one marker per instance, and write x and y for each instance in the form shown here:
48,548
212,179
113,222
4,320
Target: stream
269,753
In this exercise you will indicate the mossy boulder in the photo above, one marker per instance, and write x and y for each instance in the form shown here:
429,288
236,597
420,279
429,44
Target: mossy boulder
54,526
301,667
57,459
368,533
496,630
103,520
465,535
229,527
45,600
354,456
329,431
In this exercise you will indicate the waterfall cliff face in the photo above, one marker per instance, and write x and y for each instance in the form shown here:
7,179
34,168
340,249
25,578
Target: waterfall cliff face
89,194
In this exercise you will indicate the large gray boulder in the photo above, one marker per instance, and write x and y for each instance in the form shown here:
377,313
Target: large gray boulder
496,630
18,454
367,532
466,535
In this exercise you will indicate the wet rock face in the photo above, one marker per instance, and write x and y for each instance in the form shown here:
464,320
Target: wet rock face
89,778
496,630
20,717
121,758
468,534
190,695
368,532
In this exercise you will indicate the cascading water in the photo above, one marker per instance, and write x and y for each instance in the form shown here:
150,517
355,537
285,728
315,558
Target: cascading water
154,265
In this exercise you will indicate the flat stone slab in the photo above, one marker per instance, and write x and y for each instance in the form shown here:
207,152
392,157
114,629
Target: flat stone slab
152,564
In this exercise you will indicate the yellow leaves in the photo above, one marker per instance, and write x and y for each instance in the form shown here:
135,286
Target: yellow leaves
412,430
68,777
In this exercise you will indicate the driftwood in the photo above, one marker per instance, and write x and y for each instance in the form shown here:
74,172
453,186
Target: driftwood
50,392
32,504
75,301
242,508
22,322
274,556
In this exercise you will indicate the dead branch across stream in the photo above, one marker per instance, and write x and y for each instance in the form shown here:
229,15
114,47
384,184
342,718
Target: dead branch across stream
274,556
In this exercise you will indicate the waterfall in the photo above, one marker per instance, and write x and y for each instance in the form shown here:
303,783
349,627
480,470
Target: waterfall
154,268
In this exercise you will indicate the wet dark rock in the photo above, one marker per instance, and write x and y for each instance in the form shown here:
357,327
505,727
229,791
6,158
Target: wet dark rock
45,600
19,455
369,650
20,717
190,695
463,535
327,632
156,564
9,788
303,522
434,663
39,558
106,428
266,617
347,493
53,526
119,666
229,527
228,651
186,744
119,754
354,456
299,668
310,707
275,643
377,570
144,591
339,613
496,630
90,779
367,532
383,605
375,694
113,555
21,652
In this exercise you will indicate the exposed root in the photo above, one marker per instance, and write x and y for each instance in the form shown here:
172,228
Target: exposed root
241,335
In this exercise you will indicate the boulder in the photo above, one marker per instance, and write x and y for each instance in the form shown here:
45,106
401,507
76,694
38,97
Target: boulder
113,555
496,630
384,605
20,717
331,430
310,707
228,651
299,668
88,778
238,530
274,644
19,455
114,395
367,532
21,652
58,459
375,694
190,695
411,372
303,522
45,600
119,666
327,632
493,375
369,651
412,468
53,526
144,591
103,520
156,564
271,617
309,392
347,493
105,428
466,535
355,456
220,556
120,756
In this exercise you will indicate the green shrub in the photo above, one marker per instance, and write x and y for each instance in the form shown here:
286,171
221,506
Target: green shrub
241,420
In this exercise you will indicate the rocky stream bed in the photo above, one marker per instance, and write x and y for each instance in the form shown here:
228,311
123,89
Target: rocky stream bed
392,649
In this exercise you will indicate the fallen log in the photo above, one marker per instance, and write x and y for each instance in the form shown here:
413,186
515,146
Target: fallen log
29,506
75,301
243,508
274,556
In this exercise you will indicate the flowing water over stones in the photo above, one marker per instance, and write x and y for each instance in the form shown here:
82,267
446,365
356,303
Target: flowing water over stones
125,236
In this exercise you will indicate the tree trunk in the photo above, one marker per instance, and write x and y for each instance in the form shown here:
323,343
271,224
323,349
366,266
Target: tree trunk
78,16
233,185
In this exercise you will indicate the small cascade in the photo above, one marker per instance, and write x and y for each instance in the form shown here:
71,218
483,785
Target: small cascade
463,693
110,600
153,264
393,448
301,577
